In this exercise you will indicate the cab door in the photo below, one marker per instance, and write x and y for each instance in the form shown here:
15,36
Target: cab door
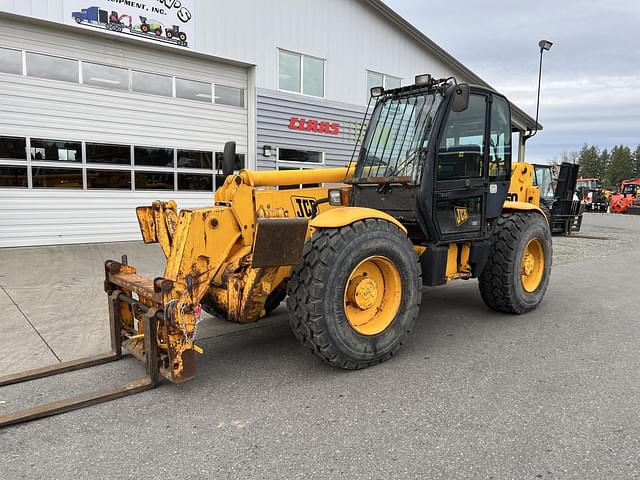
472,168
460,186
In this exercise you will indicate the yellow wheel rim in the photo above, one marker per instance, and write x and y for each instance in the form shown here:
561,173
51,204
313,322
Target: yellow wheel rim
532,265
372,295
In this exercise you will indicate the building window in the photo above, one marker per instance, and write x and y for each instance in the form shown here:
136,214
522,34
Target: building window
153,157
391,82
387,82
192,90
300,73
55,150
290,159
113,154
304,156
46,177
195,159
105,76
13,148
52,68
152,84
154,181
10,61
229,96
13,176
195,181
108,179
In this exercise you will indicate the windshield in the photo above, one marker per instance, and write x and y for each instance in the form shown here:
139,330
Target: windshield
544,181
631,188
398,132
588,184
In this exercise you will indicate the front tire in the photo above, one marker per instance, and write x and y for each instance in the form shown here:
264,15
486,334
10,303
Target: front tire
516,275
356,294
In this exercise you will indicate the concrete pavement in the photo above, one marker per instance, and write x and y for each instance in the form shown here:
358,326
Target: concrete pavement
473,394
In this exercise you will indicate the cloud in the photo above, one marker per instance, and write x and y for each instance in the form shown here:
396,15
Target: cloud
591,76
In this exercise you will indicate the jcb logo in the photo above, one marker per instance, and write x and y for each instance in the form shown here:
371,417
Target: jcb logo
303,206
462,215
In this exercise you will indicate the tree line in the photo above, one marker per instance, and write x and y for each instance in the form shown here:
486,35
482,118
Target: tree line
610,166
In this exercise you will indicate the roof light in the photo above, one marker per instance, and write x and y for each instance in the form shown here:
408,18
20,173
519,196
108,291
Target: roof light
377,92
423,80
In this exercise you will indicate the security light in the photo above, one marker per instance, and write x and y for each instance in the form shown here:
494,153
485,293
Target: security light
266,150
545,44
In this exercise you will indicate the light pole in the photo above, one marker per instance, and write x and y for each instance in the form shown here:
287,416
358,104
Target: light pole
544,45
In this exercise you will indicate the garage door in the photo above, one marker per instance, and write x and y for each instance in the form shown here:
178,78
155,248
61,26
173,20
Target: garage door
91,127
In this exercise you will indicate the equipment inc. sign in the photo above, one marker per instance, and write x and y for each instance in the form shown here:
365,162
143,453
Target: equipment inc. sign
168,21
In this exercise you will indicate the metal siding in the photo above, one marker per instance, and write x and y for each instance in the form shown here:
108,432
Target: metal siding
276,108
32,107
50,217
350,35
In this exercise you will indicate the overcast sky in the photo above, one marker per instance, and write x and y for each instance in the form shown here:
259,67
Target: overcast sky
591,76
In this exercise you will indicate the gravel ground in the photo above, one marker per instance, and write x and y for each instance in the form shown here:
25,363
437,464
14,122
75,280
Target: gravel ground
553,394
601,235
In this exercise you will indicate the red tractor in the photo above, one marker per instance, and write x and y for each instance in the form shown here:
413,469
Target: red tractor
628,201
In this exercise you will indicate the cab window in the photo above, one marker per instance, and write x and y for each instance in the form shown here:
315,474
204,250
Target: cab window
500,140
461,149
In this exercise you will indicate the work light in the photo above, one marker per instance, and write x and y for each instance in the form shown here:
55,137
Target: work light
423,80
377,92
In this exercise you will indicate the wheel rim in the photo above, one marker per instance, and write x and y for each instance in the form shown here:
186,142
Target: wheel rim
532,265
372,295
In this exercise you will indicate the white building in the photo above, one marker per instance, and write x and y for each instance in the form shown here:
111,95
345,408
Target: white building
106,105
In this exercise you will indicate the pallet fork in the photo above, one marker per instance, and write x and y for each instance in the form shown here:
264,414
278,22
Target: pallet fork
150,316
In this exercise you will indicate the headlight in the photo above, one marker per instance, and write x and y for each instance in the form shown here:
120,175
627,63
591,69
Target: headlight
335,197
340,197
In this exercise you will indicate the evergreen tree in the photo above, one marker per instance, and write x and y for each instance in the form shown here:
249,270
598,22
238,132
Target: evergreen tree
589,160
636,162
603,165
620,165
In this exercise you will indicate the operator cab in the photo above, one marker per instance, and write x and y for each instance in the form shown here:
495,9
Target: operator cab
437,157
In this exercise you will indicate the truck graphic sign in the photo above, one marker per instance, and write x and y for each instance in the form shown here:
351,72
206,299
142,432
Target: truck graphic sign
167,21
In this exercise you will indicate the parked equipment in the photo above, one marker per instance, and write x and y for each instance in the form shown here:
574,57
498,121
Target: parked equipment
432,197
592,194
628,201
560,202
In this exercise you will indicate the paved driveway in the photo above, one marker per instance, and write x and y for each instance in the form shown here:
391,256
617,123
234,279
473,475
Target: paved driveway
473,394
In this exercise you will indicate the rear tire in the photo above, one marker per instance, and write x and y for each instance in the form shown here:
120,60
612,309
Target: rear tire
321,292
503,282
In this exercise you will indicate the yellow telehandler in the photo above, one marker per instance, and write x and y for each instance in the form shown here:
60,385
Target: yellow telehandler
431,197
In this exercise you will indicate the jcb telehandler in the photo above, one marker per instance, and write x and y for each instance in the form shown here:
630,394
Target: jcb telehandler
432,197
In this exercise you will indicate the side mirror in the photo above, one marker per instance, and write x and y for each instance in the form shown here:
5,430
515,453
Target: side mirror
228,158
460,97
